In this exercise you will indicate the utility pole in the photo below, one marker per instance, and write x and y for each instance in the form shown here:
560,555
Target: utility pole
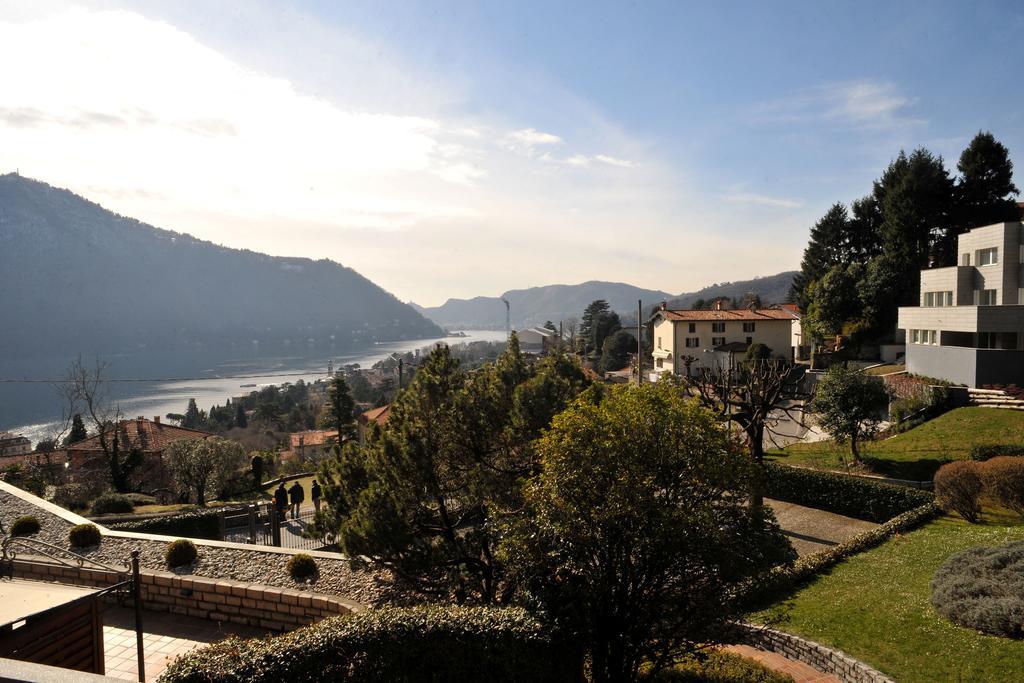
639,343
400,373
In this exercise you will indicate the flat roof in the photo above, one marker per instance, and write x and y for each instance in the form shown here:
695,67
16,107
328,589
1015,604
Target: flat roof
20,598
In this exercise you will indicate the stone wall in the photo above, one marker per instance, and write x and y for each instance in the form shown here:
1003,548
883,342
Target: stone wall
269,607
824,659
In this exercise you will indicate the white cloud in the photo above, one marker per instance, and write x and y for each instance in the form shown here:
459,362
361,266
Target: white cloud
584,160
533,138
761,200
860,103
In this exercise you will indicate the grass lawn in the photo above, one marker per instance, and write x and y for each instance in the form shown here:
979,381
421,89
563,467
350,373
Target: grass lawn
875,606
886,369
306,482
916,454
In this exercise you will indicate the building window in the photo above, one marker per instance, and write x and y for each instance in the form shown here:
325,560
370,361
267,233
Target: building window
748,327
988,257
692,342
938,298
750,340
986,340
984,297
718,341
924,337
693,327
659,363
718,327
659,342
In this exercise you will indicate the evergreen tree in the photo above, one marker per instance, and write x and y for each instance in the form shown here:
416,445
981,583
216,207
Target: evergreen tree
616,349
78,432
985,186
550,326
193,418
826,248
590,323
240,419
340,406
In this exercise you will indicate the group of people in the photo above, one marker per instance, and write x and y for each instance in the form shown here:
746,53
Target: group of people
293,497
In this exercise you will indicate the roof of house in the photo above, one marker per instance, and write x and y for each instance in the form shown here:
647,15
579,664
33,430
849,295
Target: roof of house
738,314
378,415
313,437
146,435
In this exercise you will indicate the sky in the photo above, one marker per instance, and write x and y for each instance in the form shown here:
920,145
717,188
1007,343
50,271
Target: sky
456,149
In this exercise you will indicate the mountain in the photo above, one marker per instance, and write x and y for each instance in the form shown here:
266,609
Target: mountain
536,305
76,278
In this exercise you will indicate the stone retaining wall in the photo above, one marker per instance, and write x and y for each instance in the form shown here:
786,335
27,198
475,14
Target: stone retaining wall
276,609
824,659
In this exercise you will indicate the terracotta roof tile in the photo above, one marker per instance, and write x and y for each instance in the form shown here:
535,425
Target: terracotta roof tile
738,314
146,435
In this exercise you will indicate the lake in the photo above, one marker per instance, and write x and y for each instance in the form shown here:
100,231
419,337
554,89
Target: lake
170,379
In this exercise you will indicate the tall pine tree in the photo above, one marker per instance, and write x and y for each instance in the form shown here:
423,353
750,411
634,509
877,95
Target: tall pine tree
985,189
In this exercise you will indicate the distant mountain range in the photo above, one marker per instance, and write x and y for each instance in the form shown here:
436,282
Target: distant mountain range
536,305
76,278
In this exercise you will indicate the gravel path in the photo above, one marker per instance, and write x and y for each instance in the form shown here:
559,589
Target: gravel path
336,577
811,530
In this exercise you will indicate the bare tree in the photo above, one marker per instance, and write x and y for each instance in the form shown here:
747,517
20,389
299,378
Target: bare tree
85,389
757,395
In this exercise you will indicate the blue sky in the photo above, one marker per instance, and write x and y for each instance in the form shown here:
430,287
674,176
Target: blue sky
456,149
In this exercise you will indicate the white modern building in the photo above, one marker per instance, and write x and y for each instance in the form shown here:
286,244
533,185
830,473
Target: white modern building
536,339
969,326
707,338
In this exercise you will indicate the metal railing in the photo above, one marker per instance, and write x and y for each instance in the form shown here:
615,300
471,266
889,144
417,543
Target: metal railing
262,524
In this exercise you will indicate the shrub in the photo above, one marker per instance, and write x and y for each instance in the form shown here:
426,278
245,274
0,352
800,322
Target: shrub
957,487
71,496
180,553
987,451
722,667
1003,478
84,535
26,525
301,566
112,503
198,524
140,499
390,644
983,589
842,494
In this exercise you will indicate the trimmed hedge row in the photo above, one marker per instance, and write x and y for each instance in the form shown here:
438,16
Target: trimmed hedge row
782,580
987,451
425,643
197,524
842,494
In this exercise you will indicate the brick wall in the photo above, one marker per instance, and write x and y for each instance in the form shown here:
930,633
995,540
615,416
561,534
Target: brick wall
277,609
824,659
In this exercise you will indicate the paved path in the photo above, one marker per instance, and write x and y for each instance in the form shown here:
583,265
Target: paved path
811,530
165,636
801,673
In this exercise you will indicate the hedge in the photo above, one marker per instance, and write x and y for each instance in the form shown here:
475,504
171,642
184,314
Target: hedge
197,524
721,667
110,503
842,494
782,580
987,451
424,643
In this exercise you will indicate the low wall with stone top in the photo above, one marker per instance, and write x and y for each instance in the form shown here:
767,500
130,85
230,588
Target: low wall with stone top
824,659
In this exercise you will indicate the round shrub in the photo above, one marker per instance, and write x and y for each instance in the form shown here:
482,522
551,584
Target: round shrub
1003,478
436,643
180,553
116,503
957,487
983,589
722,667
301,566
84,535
26,525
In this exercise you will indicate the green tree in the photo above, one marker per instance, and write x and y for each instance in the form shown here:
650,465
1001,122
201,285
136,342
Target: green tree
834,300
635,535
204,467
848,404
78,432
825,249
985,189
550,326
617,347
340,407
193,418
589,324
241,421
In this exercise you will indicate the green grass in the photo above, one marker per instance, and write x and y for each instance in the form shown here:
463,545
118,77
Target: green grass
886,369
875,606
917,453
307,484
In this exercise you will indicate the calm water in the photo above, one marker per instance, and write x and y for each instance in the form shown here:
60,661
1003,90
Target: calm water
32,408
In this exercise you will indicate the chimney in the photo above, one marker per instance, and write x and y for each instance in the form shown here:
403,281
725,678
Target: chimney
664,304
156,419
718,304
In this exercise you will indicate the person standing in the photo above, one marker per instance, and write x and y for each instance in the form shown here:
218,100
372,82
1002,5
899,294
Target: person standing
297,495
280,500
316,492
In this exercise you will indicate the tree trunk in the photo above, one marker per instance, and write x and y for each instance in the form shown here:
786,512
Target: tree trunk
756,436
854,450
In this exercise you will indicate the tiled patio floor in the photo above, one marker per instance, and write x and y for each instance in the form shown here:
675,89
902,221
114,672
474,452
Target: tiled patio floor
165,636
801,673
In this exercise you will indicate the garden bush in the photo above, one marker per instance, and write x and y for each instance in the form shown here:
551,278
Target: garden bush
198,524
1003,478
983,588
26,525
721,667
112,503
435,643
957,487
987,451
180,553
301,566
71,496
84,535
842,494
